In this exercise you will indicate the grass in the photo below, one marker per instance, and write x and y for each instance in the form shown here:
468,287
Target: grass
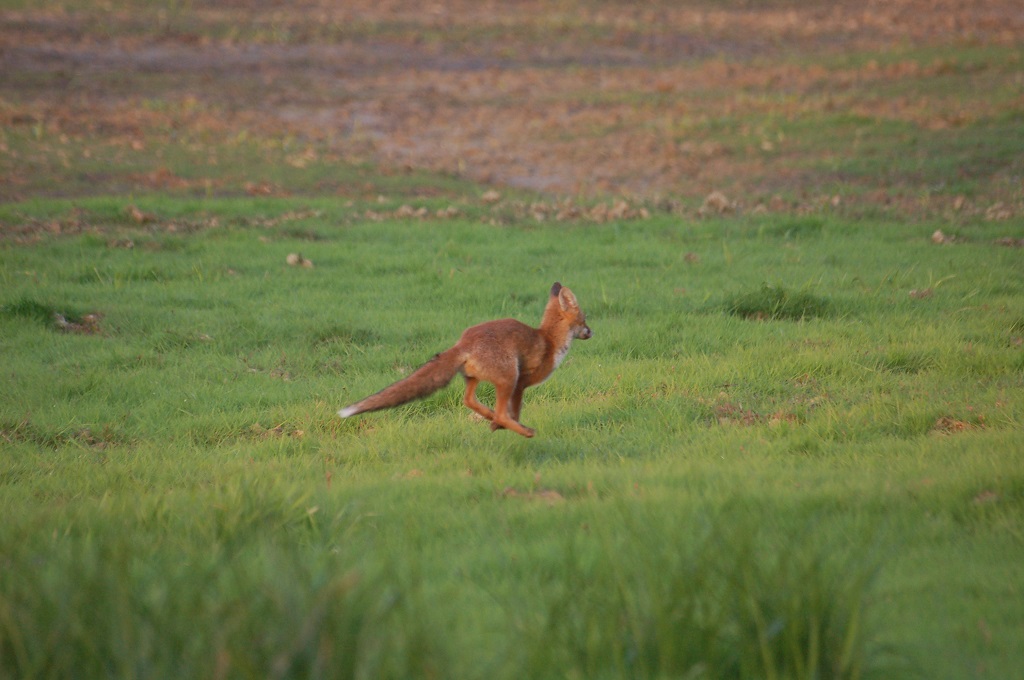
770,461
792,448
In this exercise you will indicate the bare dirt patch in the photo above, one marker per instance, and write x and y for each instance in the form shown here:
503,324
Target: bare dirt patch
582,98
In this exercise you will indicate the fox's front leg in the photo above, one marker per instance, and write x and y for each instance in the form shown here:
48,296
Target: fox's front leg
506,400
515,405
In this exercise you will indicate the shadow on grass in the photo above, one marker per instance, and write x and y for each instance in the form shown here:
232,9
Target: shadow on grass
777,303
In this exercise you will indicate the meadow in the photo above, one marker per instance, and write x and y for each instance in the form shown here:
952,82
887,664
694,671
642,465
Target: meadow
793,448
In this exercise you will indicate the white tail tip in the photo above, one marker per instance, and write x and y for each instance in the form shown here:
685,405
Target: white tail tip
347,411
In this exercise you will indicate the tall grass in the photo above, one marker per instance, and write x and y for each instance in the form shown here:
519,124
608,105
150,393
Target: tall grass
711,598
113,603
263,584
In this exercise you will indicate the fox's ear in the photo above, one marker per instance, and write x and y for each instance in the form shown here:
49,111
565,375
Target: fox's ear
555,288
567,300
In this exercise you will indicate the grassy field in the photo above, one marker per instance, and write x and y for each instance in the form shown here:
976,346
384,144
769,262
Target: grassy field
793,449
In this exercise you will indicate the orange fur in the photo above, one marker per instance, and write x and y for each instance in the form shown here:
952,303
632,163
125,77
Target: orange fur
506,353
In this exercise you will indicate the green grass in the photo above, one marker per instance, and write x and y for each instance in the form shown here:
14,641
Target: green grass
792,448
771,460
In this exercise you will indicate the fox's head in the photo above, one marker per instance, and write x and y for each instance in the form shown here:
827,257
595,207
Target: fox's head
569,310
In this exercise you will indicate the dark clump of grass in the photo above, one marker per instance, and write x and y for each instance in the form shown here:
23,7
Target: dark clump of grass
344,335
796,227
31,310
903,360
56,318
96,439
770,302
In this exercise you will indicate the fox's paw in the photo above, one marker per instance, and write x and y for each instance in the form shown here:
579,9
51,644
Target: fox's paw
518,428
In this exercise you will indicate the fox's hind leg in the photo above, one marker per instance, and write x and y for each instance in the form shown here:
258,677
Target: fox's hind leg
470,400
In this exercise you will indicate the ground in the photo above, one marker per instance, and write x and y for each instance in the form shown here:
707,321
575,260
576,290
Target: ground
776,105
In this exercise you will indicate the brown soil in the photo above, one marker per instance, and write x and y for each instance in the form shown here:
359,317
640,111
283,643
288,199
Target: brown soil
577,97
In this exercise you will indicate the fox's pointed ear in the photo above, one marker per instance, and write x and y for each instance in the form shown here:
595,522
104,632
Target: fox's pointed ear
567,300
555,288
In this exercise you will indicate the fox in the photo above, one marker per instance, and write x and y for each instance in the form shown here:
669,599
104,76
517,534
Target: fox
506,353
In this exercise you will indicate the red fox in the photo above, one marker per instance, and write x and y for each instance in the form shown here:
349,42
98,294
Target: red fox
507,353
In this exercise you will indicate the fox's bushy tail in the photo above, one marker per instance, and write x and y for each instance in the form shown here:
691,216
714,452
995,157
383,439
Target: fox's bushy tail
424,381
